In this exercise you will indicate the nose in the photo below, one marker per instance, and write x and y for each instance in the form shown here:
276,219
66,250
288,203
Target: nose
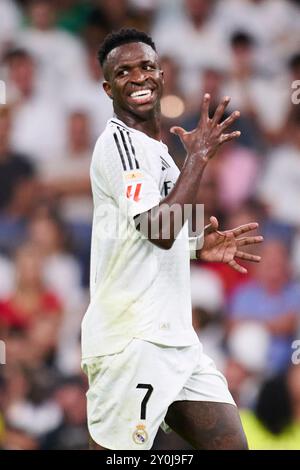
138,76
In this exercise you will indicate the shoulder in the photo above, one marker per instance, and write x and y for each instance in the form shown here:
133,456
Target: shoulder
119,143
21,162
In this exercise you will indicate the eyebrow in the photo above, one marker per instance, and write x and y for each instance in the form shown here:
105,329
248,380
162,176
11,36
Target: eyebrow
128,66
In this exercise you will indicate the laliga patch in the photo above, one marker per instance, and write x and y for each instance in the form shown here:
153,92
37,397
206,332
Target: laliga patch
133,191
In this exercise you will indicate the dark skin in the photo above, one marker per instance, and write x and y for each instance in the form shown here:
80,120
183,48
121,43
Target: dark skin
132,67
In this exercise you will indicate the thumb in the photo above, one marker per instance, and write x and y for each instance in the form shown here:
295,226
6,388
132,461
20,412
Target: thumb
214,222
213,226
177,131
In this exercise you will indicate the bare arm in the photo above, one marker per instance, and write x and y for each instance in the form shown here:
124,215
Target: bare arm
201,145
285,324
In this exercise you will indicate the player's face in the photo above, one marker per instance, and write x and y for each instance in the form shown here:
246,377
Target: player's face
134,79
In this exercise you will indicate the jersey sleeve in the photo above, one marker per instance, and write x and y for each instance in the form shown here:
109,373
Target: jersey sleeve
131,173
195,244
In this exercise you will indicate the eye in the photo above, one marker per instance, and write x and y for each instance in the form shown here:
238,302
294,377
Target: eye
122,73
149,67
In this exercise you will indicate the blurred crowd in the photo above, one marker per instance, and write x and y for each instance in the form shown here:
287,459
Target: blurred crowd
55,110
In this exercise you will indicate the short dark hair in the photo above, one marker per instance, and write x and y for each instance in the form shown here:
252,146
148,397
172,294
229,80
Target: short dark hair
123,36
16,53
241,38
294,61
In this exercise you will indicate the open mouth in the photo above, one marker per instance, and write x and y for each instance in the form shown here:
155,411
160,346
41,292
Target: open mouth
141,96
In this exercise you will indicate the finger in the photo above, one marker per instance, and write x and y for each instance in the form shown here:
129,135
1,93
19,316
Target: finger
244,228
220,110
205,110
234,265
249,240
178,131
230,120
228,137
213,226
247,256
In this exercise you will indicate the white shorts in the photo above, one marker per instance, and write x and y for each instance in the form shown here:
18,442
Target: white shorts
130,392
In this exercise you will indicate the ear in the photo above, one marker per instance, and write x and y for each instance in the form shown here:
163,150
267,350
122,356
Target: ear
162,75
107,88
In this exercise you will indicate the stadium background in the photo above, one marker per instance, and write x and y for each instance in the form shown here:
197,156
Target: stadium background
248,49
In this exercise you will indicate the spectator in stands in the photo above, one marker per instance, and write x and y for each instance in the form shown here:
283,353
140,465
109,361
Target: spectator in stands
199,44
32,411
38,121
49,235
259,98
272,23
67,178
283,171
30,300
10,23
72,432
272,299
274,424
60,54
89,97
17,186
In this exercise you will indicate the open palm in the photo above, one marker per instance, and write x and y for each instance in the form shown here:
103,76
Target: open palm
225,246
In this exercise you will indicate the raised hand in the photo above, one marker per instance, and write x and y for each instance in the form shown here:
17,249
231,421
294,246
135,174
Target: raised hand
205,140
225,246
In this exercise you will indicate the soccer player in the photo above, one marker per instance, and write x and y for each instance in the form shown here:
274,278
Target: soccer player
143,359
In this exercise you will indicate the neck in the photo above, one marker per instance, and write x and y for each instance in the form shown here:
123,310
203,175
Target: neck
150,125
79,147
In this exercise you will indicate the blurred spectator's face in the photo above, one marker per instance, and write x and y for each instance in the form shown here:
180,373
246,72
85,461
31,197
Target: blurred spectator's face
28,266
170,70
4,130
294,133
243,56
79,131
17,385
212,82
42,15
71,398
24,197
43,335
235,374
208,193
115,10
273,270
21,74
198,9
294,385
44,233
93,65
16,349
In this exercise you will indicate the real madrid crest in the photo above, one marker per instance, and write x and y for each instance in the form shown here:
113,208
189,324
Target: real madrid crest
140,435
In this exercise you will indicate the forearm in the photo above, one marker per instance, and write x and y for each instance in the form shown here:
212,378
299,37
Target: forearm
201,145
162,224
283,325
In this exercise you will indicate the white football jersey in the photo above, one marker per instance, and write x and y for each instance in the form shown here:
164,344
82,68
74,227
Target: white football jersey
138,290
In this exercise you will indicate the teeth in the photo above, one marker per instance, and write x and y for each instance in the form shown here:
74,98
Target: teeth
137,94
